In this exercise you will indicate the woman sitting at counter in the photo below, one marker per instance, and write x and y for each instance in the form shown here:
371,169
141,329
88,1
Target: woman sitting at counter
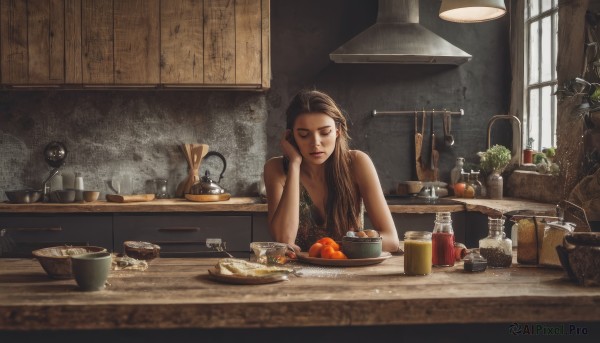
317,188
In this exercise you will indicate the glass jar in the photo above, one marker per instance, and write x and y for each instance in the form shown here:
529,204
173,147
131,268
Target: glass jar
479,189
442,240
470,188
417,253
459,187
161,188
496,248
554,234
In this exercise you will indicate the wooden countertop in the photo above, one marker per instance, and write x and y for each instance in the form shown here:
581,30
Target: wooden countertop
250,204
178,293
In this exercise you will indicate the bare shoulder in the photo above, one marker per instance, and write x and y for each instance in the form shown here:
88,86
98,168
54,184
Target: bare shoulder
360,158
274,168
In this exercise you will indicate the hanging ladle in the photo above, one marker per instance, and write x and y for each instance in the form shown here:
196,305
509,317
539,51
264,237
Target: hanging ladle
448,138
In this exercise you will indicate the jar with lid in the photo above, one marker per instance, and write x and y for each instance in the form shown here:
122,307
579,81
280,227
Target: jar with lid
417,253
554,234
496,248
442,240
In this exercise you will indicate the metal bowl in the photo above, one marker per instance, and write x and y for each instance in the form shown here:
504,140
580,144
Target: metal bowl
23,196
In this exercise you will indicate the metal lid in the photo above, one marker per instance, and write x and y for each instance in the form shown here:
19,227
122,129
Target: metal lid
559,225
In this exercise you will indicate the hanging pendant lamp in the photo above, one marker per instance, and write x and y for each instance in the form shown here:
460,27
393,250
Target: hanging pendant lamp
471,11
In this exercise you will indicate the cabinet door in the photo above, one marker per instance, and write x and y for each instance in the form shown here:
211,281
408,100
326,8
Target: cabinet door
32,37
215,43
25,233
136,41
181,235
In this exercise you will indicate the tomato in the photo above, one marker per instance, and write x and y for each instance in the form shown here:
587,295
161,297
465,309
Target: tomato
315,250
338,255
327,251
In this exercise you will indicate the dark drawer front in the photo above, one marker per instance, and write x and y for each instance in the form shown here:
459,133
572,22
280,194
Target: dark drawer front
24,234
185,235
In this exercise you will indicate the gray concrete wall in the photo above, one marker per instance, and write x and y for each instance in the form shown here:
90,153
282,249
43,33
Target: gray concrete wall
111,133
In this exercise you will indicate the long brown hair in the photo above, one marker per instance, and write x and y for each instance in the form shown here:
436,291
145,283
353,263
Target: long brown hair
341,209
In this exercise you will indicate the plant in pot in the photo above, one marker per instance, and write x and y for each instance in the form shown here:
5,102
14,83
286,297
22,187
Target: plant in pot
493,161
528,152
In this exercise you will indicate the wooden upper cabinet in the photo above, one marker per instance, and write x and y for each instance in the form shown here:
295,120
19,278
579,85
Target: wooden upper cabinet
187,43
220,43
32,42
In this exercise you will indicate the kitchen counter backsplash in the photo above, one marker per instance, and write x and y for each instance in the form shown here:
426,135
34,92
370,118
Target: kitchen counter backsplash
131,136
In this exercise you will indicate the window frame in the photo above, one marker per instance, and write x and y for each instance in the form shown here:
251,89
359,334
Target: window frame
520,44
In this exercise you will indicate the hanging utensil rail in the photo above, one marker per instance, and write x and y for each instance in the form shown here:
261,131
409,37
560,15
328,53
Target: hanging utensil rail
374,113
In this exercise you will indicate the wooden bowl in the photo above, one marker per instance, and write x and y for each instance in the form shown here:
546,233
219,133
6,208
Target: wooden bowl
90,196
56,261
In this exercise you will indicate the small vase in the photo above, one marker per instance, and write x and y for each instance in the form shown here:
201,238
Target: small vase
495,184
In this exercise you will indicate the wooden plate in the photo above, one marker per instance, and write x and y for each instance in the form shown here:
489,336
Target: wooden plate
351,262
208,197
247,280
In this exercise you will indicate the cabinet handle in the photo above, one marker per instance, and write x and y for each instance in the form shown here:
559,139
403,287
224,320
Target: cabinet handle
179,243
179,229
36,229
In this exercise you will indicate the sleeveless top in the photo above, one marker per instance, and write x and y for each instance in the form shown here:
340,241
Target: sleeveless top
311,226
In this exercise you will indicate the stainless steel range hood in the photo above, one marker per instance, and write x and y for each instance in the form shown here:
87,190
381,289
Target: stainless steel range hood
397,37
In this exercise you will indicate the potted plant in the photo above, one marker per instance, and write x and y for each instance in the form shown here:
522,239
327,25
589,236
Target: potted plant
493,161
528,152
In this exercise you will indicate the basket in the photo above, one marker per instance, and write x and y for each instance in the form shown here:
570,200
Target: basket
56,261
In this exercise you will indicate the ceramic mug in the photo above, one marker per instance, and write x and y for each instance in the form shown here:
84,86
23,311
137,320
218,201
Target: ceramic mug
91,270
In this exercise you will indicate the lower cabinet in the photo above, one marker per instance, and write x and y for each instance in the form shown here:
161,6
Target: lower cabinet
185,235
21,234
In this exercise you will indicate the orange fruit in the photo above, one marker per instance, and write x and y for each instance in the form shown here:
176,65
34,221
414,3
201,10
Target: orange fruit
459,189
327,251
338,255
329,241
315,250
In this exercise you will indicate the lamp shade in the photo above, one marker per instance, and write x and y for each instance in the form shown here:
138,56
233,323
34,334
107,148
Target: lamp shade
471,11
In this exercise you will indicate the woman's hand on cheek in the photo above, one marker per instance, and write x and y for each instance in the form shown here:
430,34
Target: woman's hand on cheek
289,150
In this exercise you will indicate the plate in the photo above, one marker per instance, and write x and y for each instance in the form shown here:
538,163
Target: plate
247,280
351,262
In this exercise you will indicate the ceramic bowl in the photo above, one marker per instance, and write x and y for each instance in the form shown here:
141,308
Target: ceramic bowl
56,261
23,196
63,196
357,247
580,257
89,196
413,187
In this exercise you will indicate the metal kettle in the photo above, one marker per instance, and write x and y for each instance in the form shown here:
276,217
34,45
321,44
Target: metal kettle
206,185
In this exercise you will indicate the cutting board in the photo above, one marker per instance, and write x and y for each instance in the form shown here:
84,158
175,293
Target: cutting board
208,197
129,198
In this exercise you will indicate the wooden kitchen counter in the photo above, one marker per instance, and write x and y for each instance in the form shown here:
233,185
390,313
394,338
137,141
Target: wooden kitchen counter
178,293
253,204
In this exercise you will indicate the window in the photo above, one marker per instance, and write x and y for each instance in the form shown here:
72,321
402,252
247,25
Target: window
540,80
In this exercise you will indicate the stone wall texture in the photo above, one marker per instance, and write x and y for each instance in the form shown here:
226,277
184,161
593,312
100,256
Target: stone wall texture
138,132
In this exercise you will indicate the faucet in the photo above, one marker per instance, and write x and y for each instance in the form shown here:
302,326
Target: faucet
512,119
45,186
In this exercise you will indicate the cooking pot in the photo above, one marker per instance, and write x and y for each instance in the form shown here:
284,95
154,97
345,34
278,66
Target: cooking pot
206,185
